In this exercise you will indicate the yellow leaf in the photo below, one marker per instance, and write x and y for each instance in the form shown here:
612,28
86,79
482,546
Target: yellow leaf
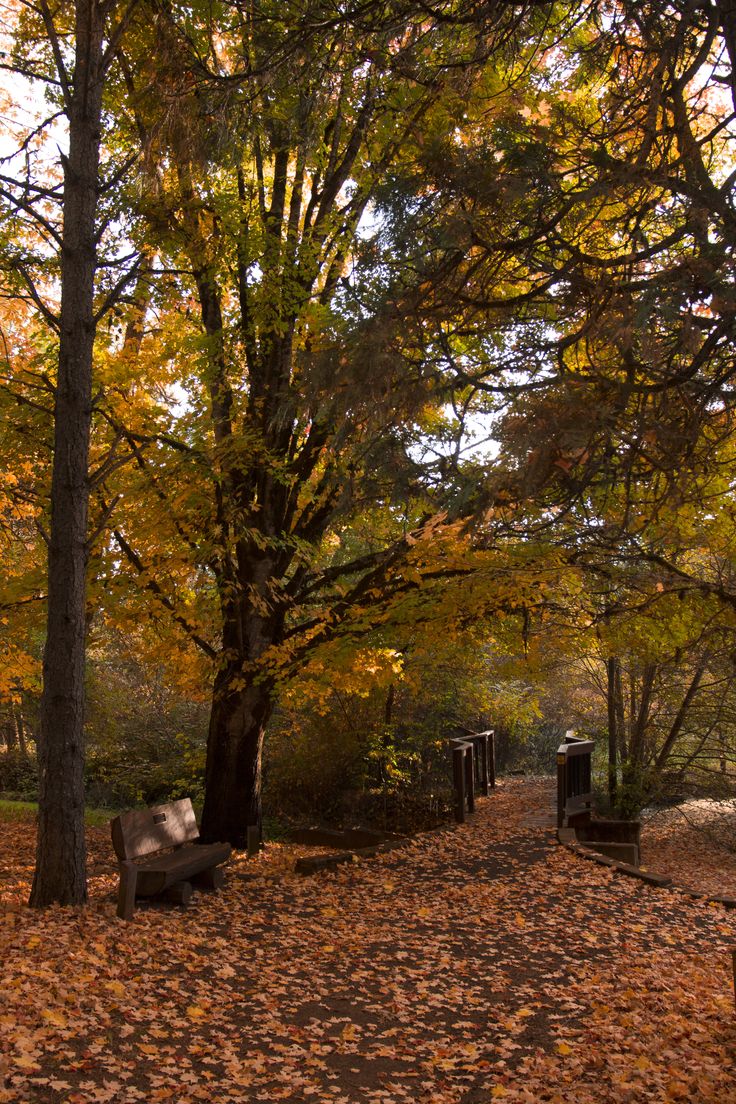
116,987
520,920
563,1048
27,1063
54,1016
642,1063
498,1090
525,1012
195,1012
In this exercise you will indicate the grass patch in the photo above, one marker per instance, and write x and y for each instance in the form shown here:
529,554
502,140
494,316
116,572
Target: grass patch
18,811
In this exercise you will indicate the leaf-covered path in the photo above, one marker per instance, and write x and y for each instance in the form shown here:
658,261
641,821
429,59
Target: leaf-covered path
475,964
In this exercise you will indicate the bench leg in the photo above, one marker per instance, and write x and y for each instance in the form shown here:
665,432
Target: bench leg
214,878
180,893
126,890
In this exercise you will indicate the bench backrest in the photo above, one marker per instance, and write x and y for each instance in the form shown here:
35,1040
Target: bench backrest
145,831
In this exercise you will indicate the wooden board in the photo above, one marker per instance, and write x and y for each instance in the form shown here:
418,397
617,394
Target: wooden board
156,874
144,831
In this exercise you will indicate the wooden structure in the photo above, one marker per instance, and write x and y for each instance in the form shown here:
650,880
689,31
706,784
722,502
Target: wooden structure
574,786
158,853
473,769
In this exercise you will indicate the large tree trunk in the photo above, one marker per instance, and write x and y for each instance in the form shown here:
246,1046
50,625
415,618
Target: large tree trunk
60,874
238,719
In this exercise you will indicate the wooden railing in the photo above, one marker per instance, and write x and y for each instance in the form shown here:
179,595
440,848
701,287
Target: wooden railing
473,769
574,786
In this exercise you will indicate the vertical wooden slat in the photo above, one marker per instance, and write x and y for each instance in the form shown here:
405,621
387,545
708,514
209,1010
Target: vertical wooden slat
483,740
458,778
492,758
561,788
469,777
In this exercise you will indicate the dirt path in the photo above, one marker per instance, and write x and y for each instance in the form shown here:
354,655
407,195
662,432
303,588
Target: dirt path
477,964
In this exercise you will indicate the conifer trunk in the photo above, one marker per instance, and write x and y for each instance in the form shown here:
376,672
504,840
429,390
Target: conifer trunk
60,874
613,674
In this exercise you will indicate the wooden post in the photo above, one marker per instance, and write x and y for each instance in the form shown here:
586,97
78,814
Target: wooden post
561,788
484,776
214,878
253,839
492,757
180,893
469,777
458,778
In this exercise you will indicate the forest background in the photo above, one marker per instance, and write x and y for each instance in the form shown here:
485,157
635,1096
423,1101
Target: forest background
367,377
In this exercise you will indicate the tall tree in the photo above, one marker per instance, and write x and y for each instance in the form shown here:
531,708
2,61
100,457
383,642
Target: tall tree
306,400
51,257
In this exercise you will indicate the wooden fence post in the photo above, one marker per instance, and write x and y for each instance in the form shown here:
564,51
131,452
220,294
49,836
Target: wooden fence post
253,839
458,778
473,769
561,788
484,775
470,777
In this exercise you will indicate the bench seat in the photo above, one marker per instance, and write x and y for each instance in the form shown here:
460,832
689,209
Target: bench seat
143,840
158,873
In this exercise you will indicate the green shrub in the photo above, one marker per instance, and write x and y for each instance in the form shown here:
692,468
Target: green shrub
18,776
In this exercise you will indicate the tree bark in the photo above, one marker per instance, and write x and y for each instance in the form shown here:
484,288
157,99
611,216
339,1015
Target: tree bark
238,721
60,874
612,672
679,721
21,731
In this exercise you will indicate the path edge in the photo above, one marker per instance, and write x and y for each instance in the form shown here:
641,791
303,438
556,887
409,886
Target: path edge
568,839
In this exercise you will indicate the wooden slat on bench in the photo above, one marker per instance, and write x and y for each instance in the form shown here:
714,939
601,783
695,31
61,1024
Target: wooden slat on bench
145,830
156,874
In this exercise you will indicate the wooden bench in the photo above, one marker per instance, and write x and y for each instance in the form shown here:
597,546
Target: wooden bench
143,840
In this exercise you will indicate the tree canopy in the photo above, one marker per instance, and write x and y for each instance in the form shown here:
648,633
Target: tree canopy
393,320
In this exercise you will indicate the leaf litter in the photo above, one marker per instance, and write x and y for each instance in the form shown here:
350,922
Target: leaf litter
476,964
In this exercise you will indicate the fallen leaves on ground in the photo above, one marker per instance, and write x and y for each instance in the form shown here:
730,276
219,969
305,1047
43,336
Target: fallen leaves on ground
477,964
689,844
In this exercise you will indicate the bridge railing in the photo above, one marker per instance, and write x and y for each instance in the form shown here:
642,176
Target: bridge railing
473,769
574,785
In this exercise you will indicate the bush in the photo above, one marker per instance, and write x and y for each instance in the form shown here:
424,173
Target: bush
348,766
145,741
18,776
146,771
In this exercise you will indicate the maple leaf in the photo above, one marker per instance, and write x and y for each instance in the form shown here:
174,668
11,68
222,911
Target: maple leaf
54,1016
